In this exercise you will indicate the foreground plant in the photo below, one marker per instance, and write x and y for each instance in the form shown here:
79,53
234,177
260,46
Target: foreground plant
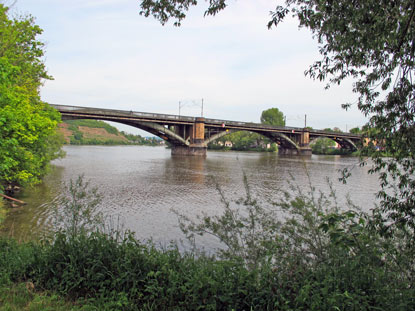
76,211
257,235
322,254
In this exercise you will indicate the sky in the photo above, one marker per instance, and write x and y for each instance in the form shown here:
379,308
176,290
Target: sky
103,54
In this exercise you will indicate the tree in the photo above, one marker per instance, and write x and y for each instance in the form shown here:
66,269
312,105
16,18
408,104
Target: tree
28,126
272,116
355,130
371,42
322,145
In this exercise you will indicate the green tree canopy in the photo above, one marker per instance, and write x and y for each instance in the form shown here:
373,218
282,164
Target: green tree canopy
371,42
355,130
322,145
28,136
272,116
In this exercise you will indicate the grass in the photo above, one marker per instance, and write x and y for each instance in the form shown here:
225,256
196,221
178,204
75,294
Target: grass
22,296
3,212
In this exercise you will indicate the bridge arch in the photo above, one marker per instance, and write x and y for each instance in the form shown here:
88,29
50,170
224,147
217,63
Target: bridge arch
153,128
280,139
190,135
345,143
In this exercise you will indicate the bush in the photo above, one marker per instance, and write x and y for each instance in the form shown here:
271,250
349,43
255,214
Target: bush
317,258
15,260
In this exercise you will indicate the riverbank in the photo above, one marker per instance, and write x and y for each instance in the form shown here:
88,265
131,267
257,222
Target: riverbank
98,272
23,296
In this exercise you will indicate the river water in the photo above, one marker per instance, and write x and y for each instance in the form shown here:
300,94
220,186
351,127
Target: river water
141,185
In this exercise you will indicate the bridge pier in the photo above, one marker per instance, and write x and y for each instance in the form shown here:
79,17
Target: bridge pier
192,150
197,145
302,145
302,151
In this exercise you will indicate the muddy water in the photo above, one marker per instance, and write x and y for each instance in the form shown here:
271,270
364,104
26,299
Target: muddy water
141,185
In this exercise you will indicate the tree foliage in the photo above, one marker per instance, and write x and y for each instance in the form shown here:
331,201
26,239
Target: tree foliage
28,137
272,116
164,10
356,130
322,145
373,43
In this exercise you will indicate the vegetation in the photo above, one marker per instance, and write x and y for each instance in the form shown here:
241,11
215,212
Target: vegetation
28,136
323,146
244,141
22,296
114,137
273,117
249,141
74,124
3,212
317,258
327,146
356,130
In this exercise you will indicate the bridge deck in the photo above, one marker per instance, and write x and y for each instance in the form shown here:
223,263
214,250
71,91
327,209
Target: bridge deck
168,119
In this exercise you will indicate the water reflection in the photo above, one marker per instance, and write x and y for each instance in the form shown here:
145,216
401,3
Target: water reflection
143,184
185,170
33,219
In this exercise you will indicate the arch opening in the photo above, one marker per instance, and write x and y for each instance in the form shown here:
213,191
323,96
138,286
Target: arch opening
153,128
323,144
283,141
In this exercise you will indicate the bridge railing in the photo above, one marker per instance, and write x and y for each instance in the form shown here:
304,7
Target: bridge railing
113,112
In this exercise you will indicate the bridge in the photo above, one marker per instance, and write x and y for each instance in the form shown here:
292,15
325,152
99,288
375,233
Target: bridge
191,135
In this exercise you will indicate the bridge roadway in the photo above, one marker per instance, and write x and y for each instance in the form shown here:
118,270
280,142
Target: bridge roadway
191,135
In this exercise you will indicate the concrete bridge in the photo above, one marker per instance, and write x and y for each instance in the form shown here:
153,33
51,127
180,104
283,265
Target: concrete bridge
191,135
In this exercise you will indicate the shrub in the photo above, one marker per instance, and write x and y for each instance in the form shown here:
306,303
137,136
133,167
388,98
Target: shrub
318,257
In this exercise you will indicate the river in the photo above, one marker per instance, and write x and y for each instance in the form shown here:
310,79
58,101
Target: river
141,185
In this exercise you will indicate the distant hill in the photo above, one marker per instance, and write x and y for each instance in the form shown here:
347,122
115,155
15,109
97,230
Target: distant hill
93,132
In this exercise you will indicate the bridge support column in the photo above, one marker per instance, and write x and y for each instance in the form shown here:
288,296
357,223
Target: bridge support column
303,146
197,145
305,138
188,151
198,132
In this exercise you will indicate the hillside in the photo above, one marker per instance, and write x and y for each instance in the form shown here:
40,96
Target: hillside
92,132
